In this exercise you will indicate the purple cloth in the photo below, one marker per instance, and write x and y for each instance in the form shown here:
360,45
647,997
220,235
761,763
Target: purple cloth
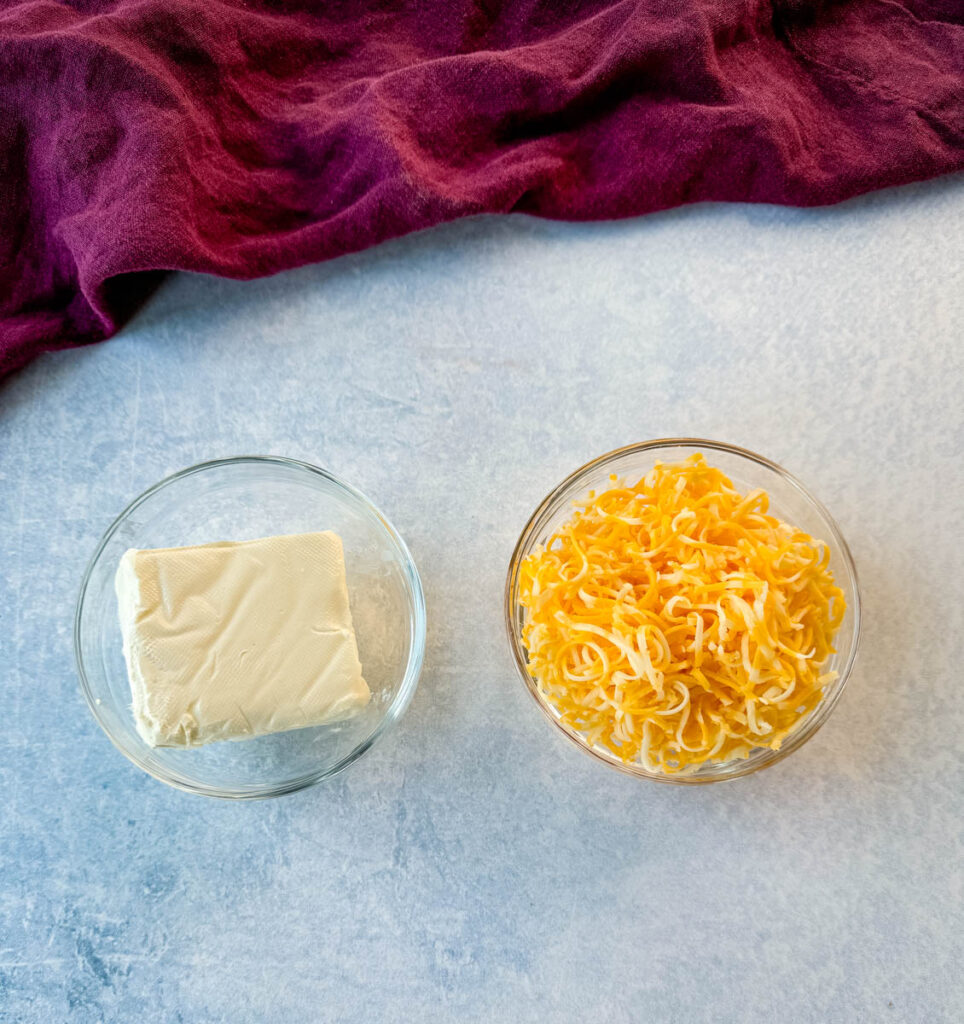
243,137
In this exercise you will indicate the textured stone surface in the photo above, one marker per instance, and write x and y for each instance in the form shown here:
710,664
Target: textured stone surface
474,867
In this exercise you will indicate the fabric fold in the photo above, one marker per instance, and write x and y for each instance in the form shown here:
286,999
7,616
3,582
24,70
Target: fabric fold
241,139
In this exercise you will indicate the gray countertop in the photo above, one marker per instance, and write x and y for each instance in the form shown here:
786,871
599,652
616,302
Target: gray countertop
474,866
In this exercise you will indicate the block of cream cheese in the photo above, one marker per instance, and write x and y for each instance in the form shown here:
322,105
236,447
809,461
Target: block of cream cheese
232,640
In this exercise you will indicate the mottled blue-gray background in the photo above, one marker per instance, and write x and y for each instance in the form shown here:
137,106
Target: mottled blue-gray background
475,867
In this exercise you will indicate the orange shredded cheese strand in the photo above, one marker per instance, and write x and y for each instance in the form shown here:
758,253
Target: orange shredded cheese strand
675,622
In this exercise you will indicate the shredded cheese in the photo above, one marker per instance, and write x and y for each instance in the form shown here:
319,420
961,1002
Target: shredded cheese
676,622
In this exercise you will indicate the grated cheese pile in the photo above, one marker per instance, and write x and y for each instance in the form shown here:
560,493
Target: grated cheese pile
675,622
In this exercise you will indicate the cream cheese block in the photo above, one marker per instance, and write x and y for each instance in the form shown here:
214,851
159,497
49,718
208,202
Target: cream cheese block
232,640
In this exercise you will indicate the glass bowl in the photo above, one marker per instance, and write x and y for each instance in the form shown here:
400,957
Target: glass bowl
240,499
789,500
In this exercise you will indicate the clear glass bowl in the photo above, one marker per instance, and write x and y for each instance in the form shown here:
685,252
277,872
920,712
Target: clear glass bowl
789,500
240,499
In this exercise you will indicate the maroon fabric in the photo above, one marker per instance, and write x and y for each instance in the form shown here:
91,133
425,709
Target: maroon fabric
242,137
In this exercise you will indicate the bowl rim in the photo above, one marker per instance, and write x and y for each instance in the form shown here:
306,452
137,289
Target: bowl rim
536,522
417,633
